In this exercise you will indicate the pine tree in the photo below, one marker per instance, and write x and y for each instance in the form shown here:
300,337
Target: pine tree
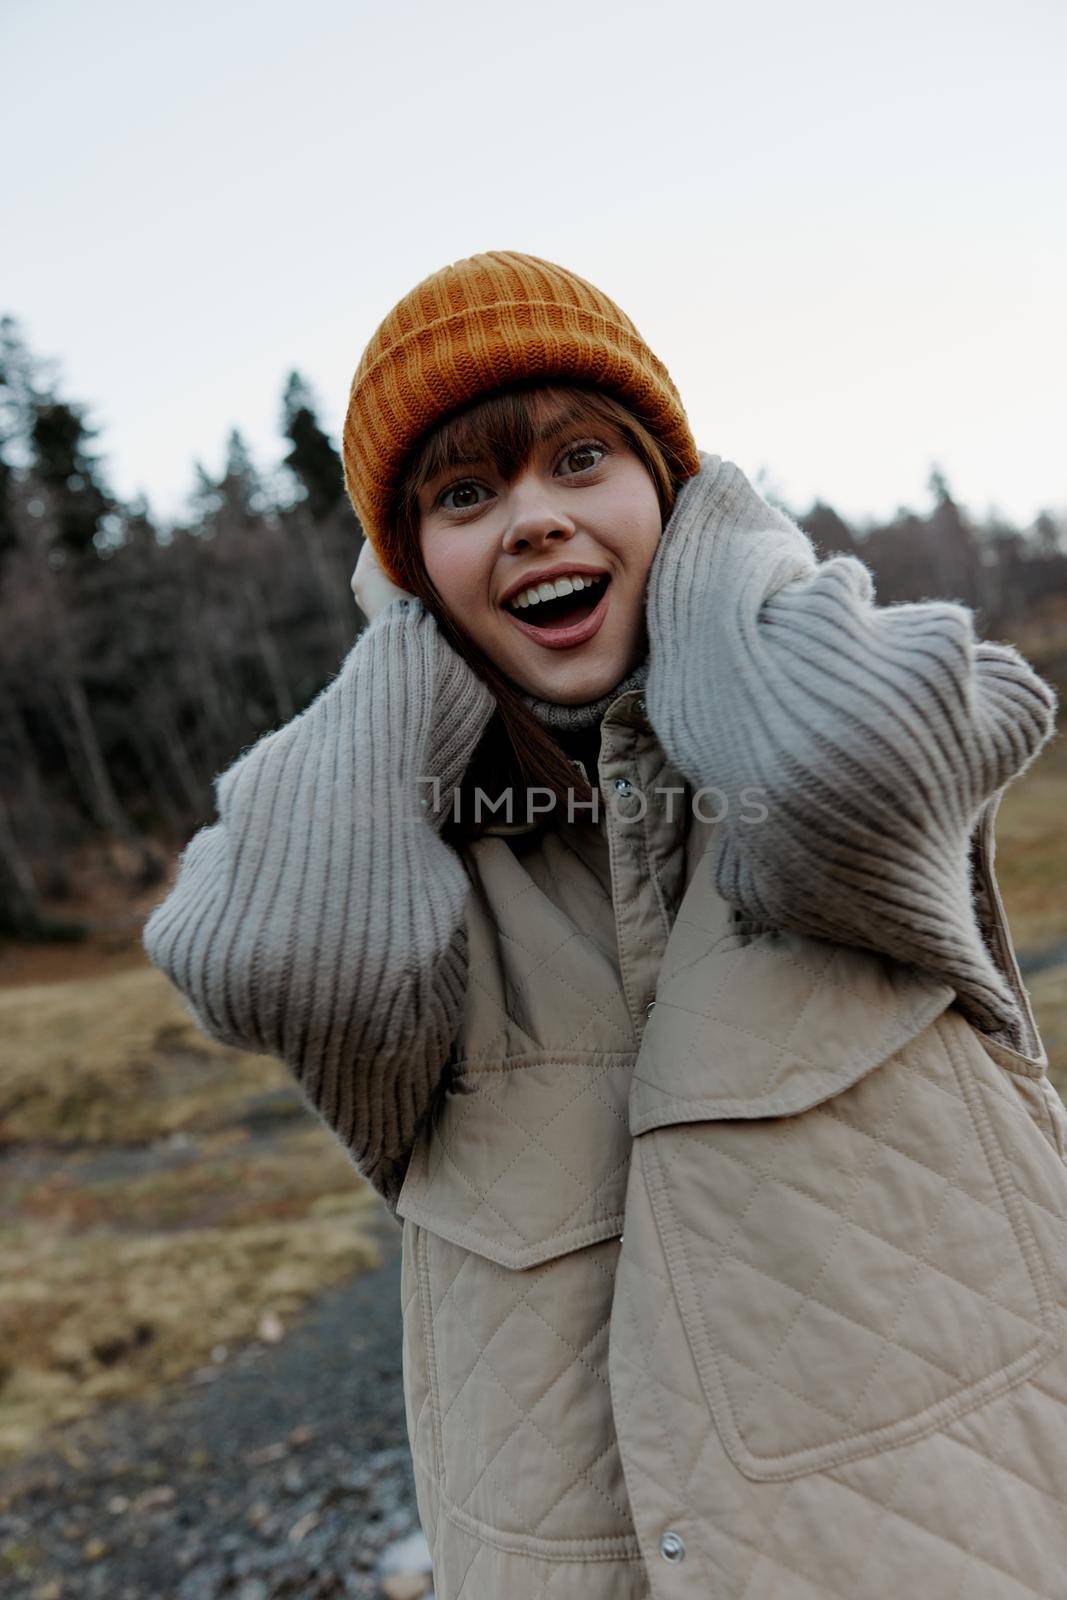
953,555
312,460
69,473
19,380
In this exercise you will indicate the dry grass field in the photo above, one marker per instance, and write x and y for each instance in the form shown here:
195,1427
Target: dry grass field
163,1199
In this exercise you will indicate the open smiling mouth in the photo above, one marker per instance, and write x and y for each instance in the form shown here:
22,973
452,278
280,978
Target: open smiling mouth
563,608
563,620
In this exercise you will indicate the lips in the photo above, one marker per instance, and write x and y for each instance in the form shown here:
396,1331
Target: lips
564,636
548,576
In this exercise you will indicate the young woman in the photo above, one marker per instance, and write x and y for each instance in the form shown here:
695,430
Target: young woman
626,906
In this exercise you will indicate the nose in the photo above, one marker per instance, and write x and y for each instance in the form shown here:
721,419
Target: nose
535,516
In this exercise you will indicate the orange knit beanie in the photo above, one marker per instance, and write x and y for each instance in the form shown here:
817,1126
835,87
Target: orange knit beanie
482,324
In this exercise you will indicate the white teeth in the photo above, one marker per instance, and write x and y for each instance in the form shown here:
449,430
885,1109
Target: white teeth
549,590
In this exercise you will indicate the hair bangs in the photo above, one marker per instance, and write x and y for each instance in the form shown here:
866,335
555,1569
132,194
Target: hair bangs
504,429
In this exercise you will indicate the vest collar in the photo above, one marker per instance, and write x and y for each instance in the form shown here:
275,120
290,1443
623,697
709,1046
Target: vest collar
627,709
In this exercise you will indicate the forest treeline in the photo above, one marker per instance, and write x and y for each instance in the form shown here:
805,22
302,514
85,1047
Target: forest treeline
139,658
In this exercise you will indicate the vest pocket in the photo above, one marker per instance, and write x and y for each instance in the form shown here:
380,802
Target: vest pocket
515,1194
527,1159
857,1273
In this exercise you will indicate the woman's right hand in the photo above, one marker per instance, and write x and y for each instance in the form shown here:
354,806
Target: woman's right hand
370,586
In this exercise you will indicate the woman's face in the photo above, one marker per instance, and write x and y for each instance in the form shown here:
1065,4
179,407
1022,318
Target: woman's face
583,504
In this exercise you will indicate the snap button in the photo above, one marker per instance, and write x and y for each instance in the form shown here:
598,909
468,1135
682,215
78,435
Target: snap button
650,1008
622,786
672,1547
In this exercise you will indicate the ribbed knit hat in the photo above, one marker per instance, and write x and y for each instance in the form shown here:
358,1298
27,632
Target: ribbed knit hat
479,325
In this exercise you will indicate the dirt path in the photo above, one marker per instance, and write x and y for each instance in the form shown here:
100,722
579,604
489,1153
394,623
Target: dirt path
283,1473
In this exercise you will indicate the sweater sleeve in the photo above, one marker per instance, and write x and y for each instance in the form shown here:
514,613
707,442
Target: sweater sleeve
854,745
320,919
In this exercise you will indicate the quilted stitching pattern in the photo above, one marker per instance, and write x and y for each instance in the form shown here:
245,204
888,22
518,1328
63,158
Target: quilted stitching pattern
830,1014
513,1203
975,1508
469,1565
526,1161
539,977
470,1558
524,1404
559,1419
535,981
854,1275
545,1053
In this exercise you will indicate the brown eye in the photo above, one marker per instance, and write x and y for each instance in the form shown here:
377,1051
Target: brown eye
463,486
588,449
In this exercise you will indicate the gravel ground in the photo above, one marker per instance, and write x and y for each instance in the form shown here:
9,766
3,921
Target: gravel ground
283,1472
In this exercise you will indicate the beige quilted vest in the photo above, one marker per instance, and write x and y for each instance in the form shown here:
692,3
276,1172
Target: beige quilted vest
753,1293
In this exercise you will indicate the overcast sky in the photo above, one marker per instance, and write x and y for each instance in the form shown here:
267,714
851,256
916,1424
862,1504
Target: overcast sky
841,226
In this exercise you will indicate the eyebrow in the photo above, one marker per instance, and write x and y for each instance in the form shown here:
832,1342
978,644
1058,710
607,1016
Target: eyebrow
557,424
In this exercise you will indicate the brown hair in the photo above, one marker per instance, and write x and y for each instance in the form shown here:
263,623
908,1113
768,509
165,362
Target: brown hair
516,750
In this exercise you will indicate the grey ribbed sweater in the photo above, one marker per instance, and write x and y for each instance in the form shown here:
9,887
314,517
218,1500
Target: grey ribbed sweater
320,919
874,734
